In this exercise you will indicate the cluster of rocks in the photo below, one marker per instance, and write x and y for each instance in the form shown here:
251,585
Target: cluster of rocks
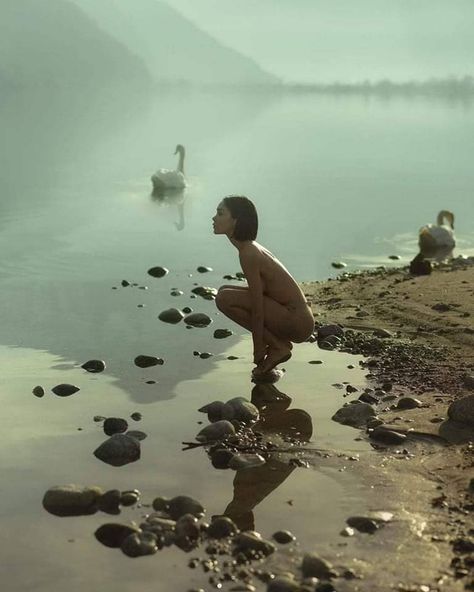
230,555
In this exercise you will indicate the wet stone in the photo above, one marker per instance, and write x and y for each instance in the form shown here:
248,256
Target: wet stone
143,361
118,450
109,502
198,319
161,504
222,527
222,333
65,390
158,272
246,461
171,315
251,545
284,537
315,566
283,584
115,425
136,416
180,505
363,524
240,409
216,431
221,458
205,292
385,436
137,434
408,403
129,498
140,544
38,391
113,534
462,410
328,330
214,410
354,415
176,293
187,527
203,269
205,355
338,264
71,500
94,366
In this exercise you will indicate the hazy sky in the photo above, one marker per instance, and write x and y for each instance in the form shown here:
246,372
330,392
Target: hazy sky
326,40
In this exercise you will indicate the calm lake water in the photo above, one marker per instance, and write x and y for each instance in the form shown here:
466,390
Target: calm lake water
332,177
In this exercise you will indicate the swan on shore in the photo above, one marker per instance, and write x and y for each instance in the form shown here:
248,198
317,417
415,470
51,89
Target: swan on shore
165,179
438,237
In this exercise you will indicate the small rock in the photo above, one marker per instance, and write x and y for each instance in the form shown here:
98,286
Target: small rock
113,534
363,524
385,436
441,307
462,410
354,415
205,292
220,458
158,272
408,403
109,502
205,355
139,544
222,527
347,532
118,450
283,584
115,425
94,366
314,566
38,391
161,504
394,257
181,504
148,361
65,390
198,319
216,431
136,416
129,498
203,269
284,537
240,409
338,264
71,500
222,333
327,330
176,293
171,315
125,283
251,545
214,410
187,309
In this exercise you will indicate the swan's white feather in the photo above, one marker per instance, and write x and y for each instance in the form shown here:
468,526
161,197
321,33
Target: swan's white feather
169,178
443,236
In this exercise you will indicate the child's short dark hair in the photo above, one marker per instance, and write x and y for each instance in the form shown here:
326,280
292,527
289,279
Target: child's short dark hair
245,214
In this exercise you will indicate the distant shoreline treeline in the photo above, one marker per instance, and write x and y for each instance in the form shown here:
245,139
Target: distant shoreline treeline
452,86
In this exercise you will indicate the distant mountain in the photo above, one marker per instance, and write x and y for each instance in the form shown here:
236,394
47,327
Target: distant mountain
53,43
172,47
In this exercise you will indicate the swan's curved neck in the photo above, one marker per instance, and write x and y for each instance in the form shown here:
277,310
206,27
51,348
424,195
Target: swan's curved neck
444,214
181,162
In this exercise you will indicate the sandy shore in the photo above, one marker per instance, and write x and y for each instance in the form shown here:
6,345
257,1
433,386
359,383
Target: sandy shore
431,318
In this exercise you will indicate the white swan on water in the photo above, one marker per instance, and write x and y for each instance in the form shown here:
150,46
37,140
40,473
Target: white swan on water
434,237
171,179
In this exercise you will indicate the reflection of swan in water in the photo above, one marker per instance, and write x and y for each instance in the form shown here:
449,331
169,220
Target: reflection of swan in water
253,485
437,240
166,179
172,197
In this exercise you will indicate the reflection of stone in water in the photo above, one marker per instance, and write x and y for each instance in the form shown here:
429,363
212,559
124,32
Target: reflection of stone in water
253,485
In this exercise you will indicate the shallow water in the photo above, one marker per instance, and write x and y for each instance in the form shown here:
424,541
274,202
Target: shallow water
332,177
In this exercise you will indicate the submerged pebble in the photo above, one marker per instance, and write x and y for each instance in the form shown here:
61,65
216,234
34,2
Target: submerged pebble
143,361
222,333
113,534
115,425
118,450
198,319
71,500
38,391
94,366
65,390
139,544
171,315
158,272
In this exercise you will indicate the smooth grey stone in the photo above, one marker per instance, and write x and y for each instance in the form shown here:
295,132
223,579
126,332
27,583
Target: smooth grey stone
159,522
203,269
385,436
205,292
38,391
187,527
130,498
113,534
161,504
222,333
136,416
462,410
240,409
355,415
282,584
222,527
409,403
71,500
158,272
246,461
363,524
171,315
118,450
314,566
205,355
198,319
182,504
327,330
251,545
216,431
148,361
94,366
284,537
65,390
213,410
115,425
140,544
